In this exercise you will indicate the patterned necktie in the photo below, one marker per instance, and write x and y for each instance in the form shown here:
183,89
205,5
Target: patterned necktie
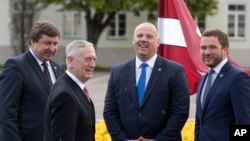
207,87
86,92
46,73
141,83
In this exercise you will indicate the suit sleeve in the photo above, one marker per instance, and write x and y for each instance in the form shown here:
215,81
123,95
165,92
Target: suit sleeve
240,96
63,117
179,108
11,84
111,113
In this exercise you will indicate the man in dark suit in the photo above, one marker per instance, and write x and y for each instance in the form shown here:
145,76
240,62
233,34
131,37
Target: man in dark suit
158,113
70,114
24,88
227,100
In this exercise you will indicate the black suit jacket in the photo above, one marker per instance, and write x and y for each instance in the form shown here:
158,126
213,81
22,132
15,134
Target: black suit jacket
228,102
164,110
69,116
23,96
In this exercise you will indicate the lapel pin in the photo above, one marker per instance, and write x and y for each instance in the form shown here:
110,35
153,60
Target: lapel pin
55,68
221,75
159,69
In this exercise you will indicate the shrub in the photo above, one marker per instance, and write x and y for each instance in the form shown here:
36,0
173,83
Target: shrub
103,135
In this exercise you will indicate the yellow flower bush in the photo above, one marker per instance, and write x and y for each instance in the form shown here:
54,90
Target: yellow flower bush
103,135
187,132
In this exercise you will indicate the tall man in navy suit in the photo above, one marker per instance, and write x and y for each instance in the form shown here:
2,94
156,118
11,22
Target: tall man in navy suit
227,100
24,88
162,110
69,113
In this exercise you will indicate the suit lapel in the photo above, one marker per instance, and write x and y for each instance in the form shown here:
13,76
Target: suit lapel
217,83
154,78
85,101
130,82
33,63
57,71
81,96
92,111
199,92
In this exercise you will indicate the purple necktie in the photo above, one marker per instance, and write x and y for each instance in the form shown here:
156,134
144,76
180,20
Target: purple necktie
86,92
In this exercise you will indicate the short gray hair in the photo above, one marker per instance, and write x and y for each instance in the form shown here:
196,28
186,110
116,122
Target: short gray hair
73,47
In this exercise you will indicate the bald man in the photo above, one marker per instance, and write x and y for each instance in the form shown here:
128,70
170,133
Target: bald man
147,97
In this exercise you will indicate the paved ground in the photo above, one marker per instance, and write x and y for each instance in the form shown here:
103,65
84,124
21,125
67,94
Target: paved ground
97,88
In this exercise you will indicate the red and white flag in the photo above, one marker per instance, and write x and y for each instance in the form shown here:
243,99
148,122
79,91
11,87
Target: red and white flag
180,37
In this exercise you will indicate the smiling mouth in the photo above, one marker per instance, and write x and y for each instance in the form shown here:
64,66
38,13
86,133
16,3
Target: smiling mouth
143,46
89,71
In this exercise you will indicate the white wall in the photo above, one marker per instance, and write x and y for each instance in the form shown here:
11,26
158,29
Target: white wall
111,51
5,20
239,48
5,50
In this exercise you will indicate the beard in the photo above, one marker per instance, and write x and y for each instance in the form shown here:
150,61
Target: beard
213,61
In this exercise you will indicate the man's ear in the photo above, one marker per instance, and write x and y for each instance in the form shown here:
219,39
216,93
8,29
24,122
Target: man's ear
32,42
69,61
226,48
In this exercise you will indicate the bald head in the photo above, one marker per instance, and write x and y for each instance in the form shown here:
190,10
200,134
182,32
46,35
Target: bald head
146,41
147,25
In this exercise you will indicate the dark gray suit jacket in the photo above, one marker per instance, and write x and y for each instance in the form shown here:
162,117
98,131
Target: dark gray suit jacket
23,96
69,116
165,106
228,102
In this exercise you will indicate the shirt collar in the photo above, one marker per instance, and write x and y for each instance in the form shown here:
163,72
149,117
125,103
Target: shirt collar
78,82
220,65
39,61
150,62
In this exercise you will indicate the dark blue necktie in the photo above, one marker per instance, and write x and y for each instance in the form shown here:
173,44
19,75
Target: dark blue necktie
207,87
141,83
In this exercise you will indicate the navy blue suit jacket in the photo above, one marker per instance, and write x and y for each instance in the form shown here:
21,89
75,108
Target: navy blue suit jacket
164,110
69,116
228,102
23,96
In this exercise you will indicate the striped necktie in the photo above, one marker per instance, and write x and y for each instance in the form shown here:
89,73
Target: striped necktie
46,73
207,87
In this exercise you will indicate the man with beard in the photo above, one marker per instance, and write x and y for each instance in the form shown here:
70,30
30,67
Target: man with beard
223,93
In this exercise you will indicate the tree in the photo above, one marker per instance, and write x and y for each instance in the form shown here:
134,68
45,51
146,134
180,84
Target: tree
99,13
22,15
202,8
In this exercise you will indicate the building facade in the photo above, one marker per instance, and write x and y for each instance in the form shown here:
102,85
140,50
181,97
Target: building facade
115,43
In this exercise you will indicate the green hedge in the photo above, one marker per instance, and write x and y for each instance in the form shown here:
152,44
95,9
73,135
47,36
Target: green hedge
1,67
102,69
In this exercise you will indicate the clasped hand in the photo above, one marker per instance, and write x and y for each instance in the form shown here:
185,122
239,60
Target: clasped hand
141,139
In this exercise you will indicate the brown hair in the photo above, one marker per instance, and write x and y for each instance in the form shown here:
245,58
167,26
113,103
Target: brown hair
222,37
43,28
